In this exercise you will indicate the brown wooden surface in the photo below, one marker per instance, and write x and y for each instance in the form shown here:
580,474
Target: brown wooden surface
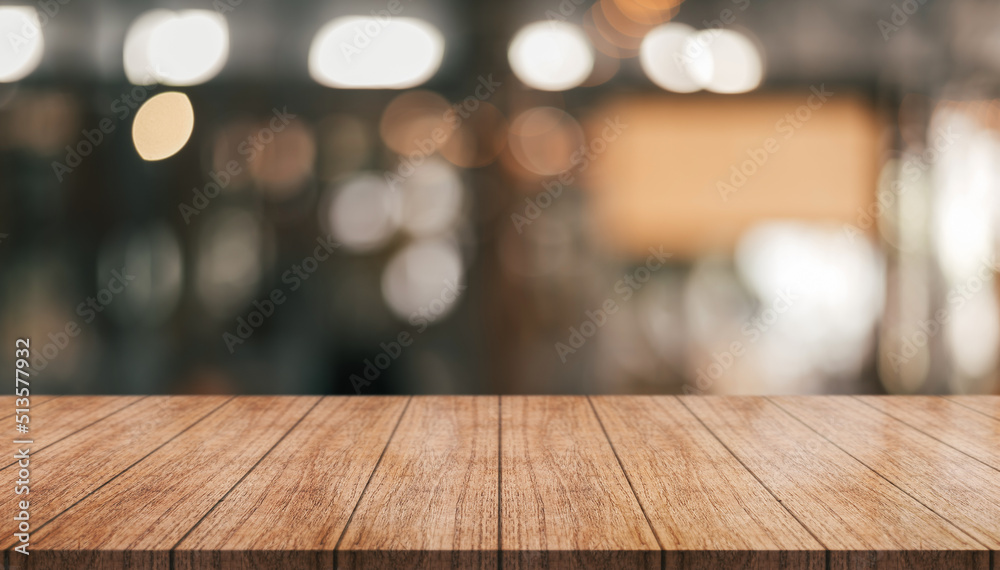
432,502
863,519
327,458
940,477
140,515
63,417
565,502
988,405
192,482
707,510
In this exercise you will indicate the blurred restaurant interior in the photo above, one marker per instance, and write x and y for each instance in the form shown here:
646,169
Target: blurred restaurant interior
552,196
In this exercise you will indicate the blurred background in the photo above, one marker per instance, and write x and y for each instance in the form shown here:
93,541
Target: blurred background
556,196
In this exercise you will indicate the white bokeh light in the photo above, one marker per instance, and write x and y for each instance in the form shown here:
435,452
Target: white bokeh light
662,57
364,213
176,48
431,198
21,42
357,52
551,56
425,279
723,61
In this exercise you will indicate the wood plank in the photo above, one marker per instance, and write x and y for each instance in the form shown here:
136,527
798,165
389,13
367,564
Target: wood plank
67,471
7,403
136,518
707,510
432,501
950,483
972,433
65,416
565,502
292,508
864,520
989,405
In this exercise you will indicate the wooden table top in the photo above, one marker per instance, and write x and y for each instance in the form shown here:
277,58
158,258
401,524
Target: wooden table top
604,482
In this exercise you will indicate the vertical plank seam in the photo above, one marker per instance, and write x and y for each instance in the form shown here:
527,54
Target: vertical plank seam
120,473
499,482
78,430
873,470
245,475
904,422
627,479
754,475
956,402
399,420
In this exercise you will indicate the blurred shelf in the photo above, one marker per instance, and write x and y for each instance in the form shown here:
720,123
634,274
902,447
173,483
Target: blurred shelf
191,482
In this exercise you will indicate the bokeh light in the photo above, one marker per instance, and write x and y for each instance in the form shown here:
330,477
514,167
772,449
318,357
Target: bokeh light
544,139
425,278
22,44
176,48
229,260
662,57
359,52
163,126
432,198
363,213
723,61
152,257
551,56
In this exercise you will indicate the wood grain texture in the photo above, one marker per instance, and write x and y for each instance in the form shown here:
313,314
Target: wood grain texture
565,502
65,416
955,486
67,471
185,483
7,404
135,519
432,501
989,405
292,508
863,519
972,433
707,510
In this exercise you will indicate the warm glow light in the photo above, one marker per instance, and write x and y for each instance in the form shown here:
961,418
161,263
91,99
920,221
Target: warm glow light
356,52
551,56
21,43
723,61
176,48
163,126
663,59
543,140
